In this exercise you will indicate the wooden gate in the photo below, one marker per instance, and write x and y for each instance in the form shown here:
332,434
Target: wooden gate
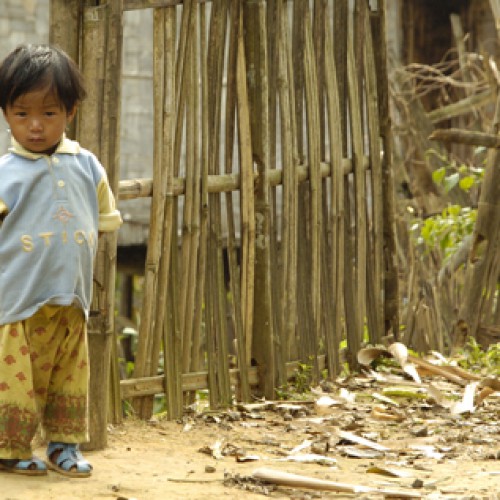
272,148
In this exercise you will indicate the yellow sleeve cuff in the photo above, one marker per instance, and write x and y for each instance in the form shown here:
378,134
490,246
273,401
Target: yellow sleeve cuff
109,216
3,209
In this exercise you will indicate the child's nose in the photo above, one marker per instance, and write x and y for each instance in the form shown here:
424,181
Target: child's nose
35,124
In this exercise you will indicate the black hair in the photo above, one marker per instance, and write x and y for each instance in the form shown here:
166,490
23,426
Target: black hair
32,67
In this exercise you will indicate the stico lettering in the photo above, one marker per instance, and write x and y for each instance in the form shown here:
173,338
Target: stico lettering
51,238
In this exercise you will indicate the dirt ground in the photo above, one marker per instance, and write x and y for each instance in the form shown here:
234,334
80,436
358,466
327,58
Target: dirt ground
413,446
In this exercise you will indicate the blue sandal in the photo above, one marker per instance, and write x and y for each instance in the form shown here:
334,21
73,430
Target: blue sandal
66,459
28,467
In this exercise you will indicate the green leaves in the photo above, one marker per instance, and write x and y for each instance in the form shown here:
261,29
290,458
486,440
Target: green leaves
444,232
451,175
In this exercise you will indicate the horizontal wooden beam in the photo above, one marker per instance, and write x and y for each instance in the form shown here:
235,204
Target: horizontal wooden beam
151,4
143,188
149,386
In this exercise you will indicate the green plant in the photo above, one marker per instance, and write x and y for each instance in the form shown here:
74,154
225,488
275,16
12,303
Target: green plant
474,357
444,232
302,379
466,177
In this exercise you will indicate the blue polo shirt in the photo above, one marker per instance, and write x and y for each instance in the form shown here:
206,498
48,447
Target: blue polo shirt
52,208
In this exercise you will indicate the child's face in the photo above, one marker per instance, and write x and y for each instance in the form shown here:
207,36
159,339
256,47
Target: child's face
37,120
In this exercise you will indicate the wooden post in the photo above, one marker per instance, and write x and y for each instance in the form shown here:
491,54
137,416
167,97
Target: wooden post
101,65
64,31
391,280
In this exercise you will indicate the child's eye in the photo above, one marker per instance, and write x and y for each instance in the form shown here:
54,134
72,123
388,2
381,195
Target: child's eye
20,113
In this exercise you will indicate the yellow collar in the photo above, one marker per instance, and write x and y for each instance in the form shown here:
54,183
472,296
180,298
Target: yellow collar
66,146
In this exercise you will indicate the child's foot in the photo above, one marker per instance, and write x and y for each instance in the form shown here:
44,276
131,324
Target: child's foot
29,467
66,459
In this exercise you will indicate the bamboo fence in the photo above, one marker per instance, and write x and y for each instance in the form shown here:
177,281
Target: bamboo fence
278,108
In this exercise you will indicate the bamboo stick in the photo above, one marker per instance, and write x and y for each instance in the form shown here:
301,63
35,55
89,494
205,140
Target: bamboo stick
166,326
303,304
313,147
355,336
242,296
256,52
196,359
144,356
376,242
220,393
191,198
391,278
337,207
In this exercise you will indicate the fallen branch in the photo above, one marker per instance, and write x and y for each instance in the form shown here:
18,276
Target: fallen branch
299,481
469,137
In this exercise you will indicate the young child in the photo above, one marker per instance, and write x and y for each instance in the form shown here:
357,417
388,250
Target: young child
54,200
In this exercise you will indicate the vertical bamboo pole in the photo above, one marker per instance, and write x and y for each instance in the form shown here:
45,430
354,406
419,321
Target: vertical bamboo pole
391,279
262,342
193,222
144,355
355,336
196,360
237,99
247,222
376,270
320,22
292,281
315,228
337,206
215,296
288,206
304,299
275,249
167,319
191,194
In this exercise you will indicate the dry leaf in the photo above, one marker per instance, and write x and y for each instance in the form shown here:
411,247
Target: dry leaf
400,354
381,413
349,436
467,403
390,471
309,458
367,355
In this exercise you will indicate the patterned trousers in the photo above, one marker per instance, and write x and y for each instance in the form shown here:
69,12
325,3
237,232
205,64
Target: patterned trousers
43,379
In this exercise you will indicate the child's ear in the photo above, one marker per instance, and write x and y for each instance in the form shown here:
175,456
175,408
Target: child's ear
71,114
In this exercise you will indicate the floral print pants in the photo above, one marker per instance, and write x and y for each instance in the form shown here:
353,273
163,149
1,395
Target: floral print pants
43,379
